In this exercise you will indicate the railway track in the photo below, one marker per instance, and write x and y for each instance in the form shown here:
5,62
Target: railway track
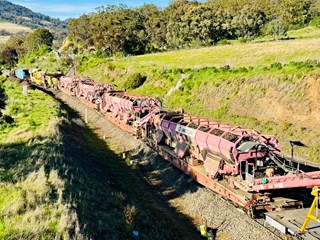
259,221
107,130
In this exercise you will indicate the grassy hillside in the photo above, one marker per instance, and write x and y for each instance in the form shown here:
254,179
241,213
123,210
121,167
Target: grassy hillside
13,28
272,87
31,195
307,32
59,181
18,14
236,55
7,29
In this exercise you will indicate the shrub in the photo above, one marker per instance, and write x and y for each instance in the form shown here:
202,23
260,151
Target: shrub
43,50
214,69
243,40
224,42
225,68
315,22
276,65
135,80
243,69
277,29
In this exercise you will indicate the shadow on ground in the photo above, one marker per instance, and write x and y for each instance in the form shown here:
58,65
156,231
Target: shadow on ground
110,199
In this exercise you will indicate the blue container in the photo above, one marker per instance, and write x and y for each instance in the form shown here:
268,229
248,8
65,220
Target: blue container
22,73
135,234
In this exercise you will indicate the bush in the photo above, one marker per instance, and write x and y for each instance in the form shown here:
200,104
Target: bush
276,65
304,64
277,29
43,50
135,80
225,68
315,22
243,40
243,69
224,42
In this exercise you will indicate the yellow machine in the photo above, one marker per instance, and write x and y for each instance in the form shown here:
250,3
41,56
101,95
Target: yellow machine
314,206
52,79
45,79
37,77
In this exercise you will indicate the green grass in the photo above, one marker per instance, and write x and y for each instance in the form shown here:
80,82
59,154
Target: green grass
31,114
28,208
237,55
307,32
58,180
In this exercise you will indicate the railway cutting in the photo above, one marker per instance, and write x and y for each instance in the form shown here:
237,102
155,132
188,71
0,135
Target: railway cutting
241,165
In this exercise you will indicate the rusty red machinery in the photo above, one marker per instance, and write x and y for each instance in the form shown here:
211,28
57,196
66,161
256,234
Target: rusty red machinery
128,111
242,165
239,164
91,92
69,83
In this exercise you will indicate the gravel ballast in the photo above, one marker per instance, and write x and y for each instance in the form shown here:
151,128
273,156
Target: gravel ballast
202,205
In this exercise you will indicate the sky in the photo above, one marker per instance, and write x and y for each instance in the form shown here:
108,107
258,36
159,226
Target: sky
75,8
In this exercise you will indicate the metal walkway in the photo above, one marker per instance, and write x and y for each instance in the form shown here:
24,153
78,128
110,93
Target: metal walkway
290,221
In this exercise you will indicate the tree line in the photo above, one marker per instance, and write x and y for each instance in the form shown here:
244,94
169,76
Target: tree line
23,45
119,29
114,29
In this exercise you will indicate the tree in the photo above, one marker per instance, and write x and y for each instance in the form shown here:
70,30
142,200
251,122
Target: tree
187,23
277,29
119,30
248,22
35,40
206,23
10,57
293,13
155,23
11,51
178,23
80,30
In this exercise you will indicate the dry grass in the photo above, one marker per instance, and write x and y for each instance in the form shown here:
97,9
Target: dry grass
13,28
3,39
251,54
31,189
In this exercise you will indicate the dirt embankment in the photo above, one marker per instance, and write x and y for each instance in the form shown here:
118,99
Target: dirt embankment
285,106
173,191
277,107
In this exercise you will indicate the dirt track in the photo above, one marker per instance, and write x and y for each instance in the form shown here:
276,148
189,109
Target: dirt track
171,186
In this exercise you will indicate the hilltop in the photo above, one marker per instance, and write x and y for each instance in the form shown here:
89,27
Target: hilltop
24,17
